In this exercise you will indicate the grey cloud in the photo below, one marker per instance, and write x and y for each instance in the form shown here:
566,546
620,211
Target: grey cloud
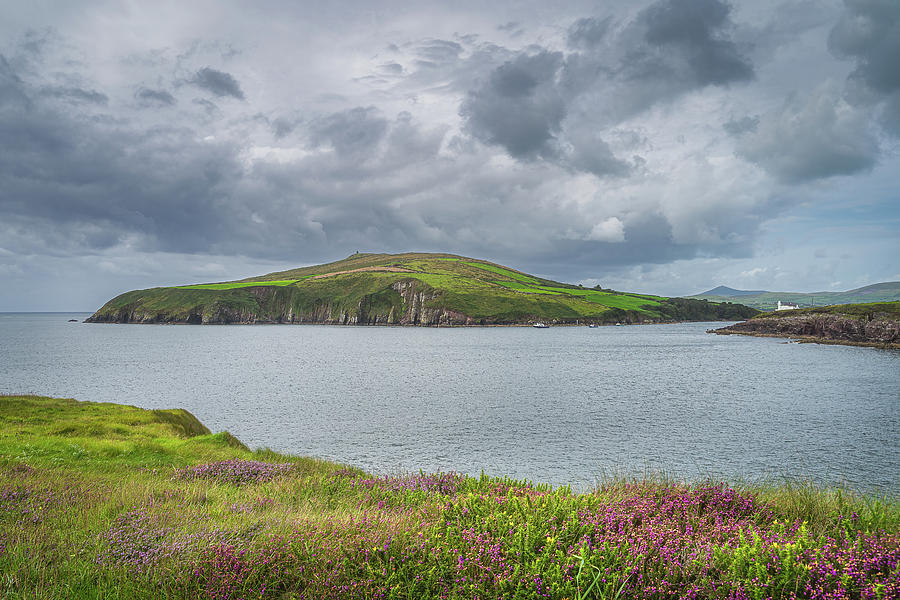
362,178
811,138
588,152
437,52
743,125
587,32
869,33
75,177
209,107
157,97
353,131
672,47
891,114
218,82
11,88
511,28
692,29
519,107
75,94
284,126
391,68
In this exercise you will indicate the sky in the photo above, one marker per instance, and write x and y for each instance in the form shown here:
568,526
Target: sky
662,147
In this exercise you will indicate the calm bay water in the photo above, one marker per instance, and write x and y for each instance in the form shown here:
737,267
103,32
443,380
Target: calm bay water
560,405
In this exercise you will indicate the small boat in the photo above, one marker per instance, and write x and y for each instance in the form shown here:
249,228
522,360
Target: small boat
593,325
540,325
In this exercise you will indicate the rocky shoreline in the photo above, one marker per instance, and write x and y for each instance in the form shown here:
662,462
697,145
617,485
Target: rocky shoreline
874,330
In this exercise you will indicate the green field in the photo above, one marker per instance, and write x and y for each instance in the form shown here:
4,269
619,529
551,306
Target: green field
506,272
111,501
413,288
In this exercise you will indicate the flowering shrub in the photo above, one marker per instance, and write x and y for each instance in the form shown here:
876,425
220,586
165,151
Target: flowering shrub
448,536
238,472
436,483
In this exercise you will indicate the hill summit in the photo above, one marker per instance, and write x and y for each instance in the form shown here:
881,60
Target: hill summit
403,289
723,290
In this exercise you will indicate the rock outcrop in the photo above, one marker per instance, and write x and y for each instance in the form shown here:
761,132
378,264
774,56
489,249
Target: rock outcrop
869,330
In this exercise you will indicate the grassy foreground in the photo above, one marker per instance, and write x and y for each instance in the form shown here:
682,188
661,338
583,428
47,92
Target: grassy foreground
110,501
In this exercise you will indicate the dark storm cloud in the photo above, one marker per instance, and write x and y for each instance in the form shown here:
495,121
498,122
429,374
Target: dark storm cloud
672,47
692,29
619,137
218,82
79,175
519,107
869,33
154,97
830,131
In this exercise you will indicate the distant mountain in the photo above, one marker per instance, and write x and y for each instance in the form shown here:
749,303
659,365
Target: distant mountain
404,289
730,292
888,291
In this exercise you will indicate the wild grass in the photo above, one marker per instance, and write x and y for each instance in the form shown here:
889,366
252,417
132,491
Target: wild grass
235,285
189,514
501,271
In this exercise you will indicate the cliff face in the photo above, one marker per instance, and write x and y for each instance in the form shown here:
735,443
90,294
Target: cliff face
402,303
877,330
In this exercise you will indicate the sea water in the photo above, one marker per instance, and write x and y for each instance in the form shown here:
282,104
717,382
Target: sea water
564,405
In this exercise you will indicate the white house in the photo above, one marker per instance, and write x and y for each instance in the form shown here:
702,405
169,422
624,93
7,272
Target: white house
786,306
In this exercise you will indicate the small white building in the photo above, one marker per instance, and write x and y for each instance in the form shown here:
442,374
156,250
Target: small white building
787,306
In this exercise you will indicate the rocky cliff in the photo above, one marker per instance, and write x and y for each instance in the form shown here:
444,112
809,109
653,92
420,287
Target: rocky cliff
402,303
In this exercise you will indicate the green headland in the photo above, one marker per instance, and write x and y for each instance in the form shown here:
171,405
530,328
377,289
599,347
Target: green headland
111,501
405,289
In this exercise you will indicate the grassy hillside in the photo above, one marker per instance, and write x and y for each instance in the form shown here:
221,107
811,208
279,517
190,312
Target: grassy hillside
427,289
110,501
879,292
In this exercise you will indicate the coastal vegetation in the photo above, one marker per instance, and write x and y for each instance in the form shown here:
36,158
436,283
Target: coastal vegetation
406,289
872,324
111,501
